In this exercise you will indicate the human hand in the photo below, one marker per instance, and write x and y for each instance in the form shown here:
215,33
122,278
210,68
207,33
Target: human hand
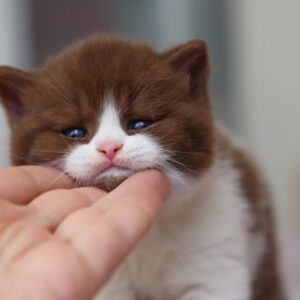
65,243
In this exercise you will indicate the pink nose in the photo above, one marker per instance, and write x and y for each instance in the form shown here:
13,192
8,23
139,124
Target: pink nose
110,149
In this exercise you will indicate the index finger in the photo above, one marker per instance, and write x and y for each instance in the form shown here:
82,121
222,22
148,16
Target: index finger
102,238
22,184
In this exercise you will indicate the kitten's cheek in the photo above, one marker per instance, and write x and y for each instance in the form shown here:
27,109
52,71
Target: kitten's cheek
84,163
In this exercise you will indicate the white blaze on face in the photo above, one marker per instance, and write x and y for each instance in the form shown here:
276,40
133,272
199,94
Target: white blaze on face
89,165
110,126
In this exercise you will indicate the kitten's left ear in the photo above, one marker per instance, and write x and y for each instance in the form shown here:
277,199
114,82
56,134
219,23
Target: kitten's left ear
191,59
13,85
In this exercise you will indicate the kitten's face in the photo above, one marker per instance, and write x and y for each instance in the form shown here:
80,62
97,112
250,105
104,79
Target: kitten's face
106,109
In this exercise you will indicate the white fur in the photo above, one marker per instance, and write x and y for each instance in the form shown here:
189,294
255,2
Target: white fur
199,251
200,247
139,151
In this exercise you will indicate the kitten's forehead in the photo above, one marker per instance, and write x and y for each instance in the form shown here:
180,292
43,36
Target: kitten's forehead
92,68
139,78
105,58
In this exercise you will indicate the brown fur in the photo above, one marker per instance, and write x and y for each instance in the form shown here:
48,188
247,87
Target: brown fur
267,285
66,92
170,88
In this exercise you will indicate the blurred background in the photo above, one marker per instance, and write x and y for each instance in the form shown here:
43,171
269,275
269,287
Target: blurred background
255,86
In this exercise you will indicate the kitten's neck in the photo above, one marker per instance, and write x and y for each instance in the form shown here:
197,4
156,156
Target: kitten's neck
184,190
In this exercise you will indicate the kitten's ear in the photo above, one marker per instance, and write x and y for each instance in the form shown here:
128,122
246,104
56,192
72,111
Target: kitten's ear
13,84
191,59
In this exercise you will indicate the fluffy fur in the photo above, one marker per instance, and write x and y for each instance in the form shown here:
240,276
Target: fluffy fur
215,237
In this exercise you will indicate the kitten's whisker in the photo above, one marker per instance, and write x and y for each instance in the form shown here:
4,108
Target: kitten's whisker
200,152
162,137
190,153
32,163
48,187
173,161
77,182
64,140
51,151
18,156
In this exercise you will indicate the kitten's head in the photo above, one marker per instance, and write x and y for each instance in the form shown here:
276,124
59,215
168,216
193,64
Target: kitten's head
106,108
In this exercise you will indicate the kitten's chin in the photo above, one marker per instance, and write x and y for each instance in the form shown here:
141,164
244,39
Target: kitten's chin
111,178
109,183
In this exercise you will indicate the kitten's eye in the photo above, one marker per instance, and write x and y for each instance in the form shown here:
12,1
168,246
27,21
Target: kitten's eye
139,124
75,133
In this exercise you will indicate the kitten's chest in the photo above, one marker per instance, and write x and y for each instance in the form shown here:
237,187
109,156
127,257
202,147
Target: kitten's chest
178,252
153,262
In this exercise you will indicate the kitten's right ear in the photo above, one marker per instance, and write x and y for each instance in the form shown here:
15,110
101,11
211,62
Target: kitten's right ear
190,60
13,84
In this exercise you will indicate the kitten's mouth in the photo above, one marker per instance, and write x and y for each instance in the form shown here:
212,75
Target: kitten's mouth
114,170
113,167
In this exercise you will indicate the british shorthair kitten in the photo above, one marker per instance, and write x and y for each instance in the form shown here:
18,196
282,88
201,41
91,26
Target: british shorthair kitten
107,108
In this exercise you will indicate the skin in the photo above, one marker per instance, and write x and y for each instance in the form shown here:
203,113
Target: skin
62,242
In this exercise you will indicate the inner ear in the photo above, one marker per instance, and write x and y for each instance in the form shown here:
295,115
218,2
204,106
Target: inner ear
191,59
13,84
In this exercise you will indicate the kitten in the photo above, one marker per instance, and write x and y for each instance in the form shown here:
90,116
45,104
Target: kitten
107,108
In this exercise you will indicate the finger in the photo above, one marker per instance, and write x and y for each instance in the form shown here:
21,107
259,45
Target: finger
9,213
103,239
51,208
22,184
151,184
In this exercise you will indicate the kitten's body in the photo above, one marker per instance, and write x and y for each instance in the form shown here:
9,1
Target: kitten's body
214,239
218,245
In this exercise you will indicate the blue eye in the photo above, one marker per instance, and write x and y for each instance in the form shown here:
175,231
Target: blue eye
75,133
139,124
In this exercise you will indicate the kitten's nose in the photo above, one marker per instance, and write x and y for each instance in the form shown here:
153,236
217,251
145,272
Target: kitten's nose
110,149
